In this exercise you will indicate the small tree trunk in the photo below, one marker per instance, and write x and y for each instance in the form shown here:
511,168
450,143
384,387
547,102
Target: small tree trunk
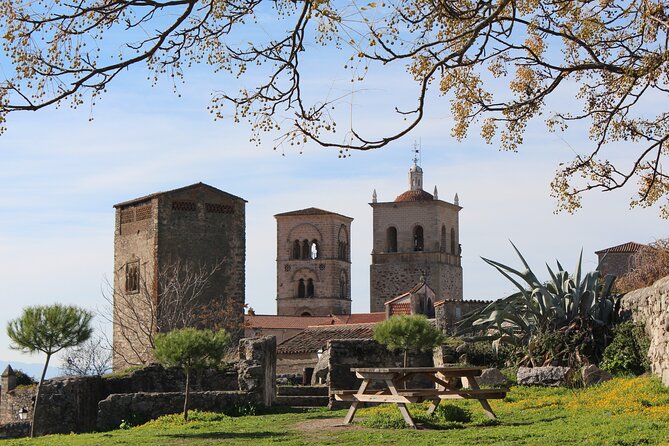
406,357
187,394
39,386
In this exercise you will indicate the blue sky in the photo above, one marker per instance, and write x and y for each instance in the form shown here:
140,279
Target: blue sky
61,174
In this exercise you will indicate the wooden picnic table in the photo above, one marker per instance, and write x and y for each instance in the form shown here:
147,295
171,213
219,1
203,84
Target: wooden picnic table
446,380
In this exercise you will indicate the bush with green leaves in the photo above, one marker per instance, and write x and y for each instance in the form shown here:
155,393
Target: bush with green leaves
191,349
628,352
564,321
48,329
408,333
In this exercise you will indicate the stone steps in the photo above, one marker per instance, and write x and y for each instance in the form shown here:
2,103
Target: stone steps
302,390
301,401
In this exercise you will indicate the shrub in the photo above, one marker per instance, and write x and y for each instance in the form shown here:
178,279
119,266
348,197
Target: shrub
449,412
483,354
628,353
651,263
23,379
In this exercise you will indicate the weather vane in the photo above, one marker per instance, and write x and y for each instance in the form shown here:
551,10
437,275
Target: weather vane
417,152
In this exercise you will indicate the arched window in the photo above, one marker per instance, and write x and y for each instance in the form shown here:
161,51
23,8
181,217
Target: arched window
305,249
342,243
442,247
296,249
313,252
343,285
310,288
418,238
453,251
430,309
300,289
391,239
305,313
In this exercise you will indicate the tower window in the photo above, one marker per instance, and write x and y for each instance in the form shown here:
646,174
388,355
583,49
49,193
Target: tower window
132,277
342,244
391,239
296,249
418,238
305,249
343,285
310,288
300,289
442,246
313,252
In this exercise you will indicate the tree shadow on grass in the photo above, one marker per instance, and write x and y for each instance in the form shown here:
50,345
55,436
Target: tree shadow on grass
227,435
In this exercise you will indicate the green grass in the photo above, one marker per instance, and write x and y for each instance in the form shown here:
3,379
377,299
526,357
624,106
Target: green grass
625,411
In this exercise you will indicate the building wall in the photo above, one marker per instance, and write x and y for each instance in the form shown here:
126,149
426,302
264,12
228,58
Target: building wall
135,240
616,263
650,306
394,273
195,225
214,233
325,271
448,313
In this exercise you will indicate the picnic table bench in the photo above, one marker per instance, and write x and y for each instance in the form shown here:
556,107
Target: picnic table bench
446,380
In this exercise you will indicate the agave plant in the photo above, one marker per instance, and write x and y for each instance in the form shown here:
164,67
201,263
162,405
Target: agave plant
574,308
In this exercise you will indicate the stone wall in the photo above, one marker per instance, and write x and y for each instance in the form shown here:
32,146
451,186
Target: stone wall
345,354
395,273
13,400
615,263
71,404
651,306
16,429
326,271
141,407
257,368
197,225
448,312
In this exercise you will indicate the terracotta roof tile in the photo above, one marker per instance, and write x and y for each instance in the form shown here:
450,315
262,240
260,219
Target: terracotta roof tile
273,321
414,195
309,211
360,318
313,339
625,247
462,301
400,308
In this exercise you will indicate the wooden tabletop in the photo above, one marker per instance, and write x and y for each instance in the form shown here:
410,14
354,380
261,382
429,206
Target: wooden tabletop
415,369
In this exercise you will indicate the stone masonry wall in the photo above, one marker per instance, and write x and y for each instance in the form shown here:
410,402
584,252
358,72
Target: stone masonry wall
142,407
71,404
651,306
257,368
13,400
449,312
616,263
395,273
345,354
325,271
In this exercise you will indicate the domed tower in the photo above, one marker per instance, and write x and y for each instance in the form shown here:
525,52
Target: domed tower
313,263
416,235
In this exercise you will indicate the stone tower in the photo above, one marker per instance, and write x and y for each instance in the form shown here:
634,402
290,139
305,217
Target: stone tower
313,263
416,237
188,237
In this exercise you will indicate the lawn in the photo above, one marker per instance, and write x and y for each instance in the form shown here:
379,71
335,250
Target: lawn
630,411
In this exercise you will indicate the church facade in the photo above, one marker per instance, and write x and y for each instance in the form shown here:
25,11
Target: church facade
415,239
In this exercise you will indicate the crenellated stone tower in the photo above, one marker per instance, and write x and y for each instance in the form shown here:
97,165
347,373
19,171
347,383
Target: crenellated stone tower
416,237
313,263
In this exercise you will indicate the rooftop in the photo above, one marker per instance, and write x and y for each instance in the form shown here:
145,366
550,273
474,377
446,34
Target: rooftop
625,247
315,338
310,211
192,186
414,195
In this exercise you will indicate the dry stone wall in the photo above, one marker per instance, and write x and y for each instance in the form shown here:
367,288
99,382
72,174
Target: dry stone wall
651,306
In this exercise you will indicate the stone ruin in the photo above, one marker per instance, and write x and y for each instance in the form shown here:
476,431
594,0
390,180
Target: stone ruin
89,403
